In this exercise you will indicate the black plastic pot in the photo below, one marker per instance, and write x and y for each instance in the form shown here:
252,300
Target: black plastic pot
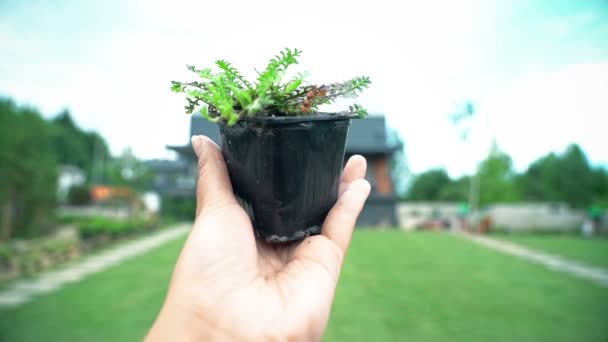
285,171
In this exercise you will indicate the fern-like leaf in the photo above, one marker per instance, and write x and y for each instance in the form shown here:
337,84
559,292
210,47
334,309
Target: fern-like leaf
233,74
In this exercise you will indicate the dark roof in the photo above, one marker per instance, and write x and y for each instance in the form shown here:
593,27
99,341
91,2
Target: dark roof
163,165
201,126
367,136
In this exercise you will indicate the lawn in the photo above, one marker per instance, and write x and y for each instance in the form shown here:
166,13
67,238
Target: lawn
395,286
591,251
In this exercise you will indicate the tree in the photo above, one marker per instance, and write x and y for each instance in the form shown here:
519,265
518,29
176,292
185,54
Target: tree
75,146
575,178
599,185
428,185
538,182
497,178
28,172
456,191
563,178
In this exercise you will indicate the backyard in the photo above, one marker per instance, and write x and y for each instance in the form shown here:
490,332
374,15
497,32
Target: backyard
394,286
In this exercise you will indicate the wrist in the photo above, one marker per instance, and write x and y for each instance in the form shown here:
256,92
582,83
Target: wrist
176,323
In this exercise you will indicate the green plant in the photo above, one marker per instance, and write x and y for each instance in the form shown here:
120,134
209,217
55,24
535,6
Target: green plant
228,96
7,252
94,226
79,195
178,208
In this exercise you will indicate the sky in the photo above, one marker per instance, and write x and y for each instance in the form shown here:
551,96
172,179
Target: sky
536,71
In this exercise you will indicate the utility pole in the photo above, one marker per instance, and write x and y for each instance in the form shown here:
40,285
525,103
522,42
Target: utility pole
462,121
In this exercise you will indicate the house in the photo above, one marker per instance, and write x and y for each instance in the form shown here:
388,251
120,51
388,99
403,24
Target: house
68,177
173,178
365,137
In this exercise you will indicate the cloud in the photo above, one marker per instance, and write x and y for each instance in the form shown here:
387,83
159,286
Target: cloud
546,111
111,65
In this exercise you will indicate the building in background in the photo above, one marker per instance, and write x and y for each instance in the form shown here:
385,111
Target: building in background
414,215
173,178
534,216
69,176
511,217
365,137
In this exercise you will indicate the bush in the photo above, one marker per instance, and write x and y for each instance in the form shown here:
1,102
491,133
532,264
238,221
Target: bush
178,208
79,195
94,226
7,253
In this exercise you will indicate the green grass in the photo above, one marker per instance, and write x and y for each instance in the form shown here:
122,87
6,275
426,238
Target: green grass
394,286
119,304
592,251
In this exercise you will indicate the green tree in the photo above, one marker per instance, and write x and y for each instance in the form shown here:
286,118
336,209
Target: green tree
600,187
28,171
497,178
75,146
456,191
575,178
563,178
538,182
428,185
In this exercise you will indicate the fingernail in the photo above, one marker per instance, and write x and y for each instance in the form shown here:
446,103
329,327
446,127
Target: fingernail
197,145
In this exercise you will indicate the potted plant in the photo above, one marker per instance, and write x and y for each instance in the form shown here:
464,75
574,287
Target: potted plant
283,155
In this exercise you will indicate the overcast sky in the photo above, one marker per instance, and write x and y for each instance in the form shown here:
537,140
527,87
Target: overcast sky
537,71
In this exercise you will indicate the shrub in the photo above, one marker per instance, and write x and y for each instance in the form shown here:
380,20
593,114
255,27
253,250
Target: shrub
112,227
178,208
79,195
7,253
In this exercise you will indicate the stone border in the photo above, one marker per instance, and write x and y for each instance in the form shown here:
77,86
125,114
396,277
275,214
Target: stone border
557,263
24,291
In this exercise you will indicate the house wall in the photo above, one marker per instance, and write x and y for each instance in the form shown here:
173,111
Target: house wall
378,173
513,217
378,212
380,167
535,216
380,208
413,214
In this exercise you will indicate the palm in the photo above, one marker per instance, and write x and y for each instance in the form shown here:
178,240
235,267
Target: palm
232,277
286,280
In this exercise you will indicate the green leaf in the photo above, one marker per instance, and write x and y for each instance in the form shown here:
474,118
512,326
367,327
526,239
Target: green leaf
233,119
233,74
359,110
293,85
205,113
177,87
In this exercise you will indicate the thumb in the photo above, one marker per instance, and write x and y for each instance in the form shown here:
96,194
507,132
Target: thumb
213,188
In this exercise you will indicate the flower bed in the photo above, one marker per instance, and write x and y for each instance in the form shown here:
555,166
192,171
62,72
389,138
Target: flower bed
78,235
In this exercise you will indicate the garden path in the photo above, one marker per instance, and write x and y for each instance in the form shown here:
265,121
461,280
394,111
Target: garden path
554,262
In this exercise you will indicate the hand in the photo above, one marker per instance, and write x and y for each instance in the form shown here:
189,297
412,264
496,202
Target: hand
227,285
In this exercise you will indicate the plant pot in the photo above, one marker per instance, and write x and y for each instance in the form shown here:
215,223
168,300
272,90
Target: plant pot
285,171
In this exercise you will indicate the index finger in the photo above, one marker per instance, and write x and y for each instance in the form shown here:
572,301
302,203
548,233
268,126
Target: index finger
340,222
213,186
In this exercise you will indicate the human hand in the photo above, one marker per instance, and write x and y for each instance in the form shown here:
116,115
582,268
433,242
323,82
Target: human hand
227,285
